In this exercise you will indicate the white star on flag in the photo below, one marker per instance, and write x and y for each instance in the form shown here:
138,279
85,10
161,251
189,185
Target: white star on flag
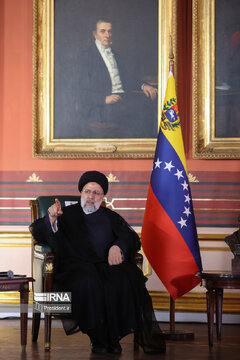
179,174
187,211
157,163
187,198
182,222
185,185
169,166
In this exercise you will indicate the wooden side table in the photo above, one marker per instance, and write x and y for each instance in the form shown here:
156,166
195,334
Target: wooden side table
215,282
20,284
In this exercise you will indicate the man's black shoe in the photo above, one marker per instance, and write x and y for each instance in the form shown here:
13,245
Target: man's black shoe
115,348
98,348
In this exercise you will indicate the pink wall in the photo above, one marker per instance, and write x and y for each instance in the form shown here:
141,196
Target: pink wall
16,105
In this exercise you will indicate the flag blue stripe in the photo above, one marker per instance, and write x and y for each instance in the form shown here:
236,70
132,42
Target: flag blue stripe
170,185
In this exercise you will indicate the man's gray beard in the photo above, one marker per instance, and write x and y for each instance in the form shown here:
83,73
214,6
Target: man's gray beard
90,209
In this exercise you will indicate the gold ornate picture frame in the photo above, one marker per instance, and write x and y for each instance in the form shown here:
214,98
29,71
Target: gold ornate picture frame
216,135
45,144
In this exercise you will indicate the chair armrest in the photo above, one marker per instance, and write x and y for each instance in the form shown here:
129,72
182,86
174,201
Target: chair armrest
48,271
42,249
41,260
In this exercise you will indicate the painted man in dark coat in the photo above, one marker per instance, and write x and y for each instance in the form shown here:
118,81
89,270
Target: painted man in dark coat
111,100
94,260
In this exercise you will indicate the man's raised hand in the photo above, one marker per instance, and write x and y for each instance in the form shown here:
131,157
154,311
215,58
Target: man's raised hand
54,211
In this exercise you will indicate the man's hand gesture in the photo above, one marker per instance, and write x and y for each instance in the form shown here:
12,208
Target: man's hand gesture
54,211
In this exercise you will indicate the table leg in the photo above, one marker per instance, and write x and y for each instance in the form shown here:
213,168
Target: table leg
219,299
210,315
24,313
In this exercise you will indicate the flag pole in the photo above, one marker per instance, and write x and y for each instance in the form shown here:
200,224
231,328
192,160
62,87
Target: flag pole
172,334
172,302
171,56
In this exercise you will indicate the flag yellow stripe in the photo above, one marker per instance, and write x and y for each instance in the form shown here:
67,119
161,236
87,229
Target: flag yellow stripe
174,136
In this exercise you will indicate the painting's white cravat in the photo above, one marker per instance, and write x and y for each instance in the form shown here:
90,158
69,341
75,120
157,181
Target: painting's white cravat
111,64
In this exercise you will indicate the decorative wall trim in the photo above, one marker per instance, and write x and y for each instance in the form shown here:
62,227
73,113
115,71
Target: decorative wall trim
211,237
15,235
214,248
194,302
191,302
13,297
216,196
2,244
11,235
27,235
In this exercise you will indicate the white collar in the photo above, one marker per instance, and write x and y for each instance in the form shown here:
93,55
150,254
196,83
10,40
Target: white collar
100,46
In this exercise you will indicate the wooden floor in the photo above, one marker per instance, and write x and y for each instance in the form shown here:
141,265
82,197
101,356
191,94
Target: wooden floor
77,346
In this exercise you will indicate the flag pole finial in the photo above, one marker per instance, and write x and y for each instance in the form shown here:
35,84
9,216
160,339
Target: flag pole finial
171,56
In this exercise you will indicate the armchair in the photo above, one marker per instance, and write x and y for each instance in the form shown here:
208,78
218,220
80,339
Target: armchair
43,263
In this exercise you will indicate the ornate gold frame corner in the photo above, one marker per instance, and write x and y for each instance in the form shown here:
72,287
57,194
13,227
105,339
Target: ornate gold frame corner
44,143
205,144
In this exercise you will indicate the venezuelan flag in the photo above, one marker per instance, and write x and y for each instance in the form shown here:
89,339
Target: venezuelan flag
169,236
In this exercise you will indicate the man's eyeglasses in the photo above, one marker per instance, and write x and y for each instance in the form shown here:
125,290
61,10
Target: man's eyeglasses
94,192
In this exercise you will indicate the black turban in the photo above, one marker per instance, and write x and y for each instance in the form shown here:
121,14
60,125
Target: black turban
93,176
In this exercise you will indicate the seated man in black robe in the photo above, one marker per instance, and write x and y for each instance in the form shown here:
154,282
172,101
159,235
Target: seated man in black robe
94,251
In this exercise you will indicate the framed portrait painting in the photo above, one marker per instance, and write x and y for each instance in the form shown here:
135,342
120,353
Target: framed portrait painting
216,79
100,71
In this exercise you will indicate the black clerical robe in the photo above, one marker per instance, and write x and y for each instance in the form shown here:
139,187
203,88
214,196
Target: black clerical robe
111,301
